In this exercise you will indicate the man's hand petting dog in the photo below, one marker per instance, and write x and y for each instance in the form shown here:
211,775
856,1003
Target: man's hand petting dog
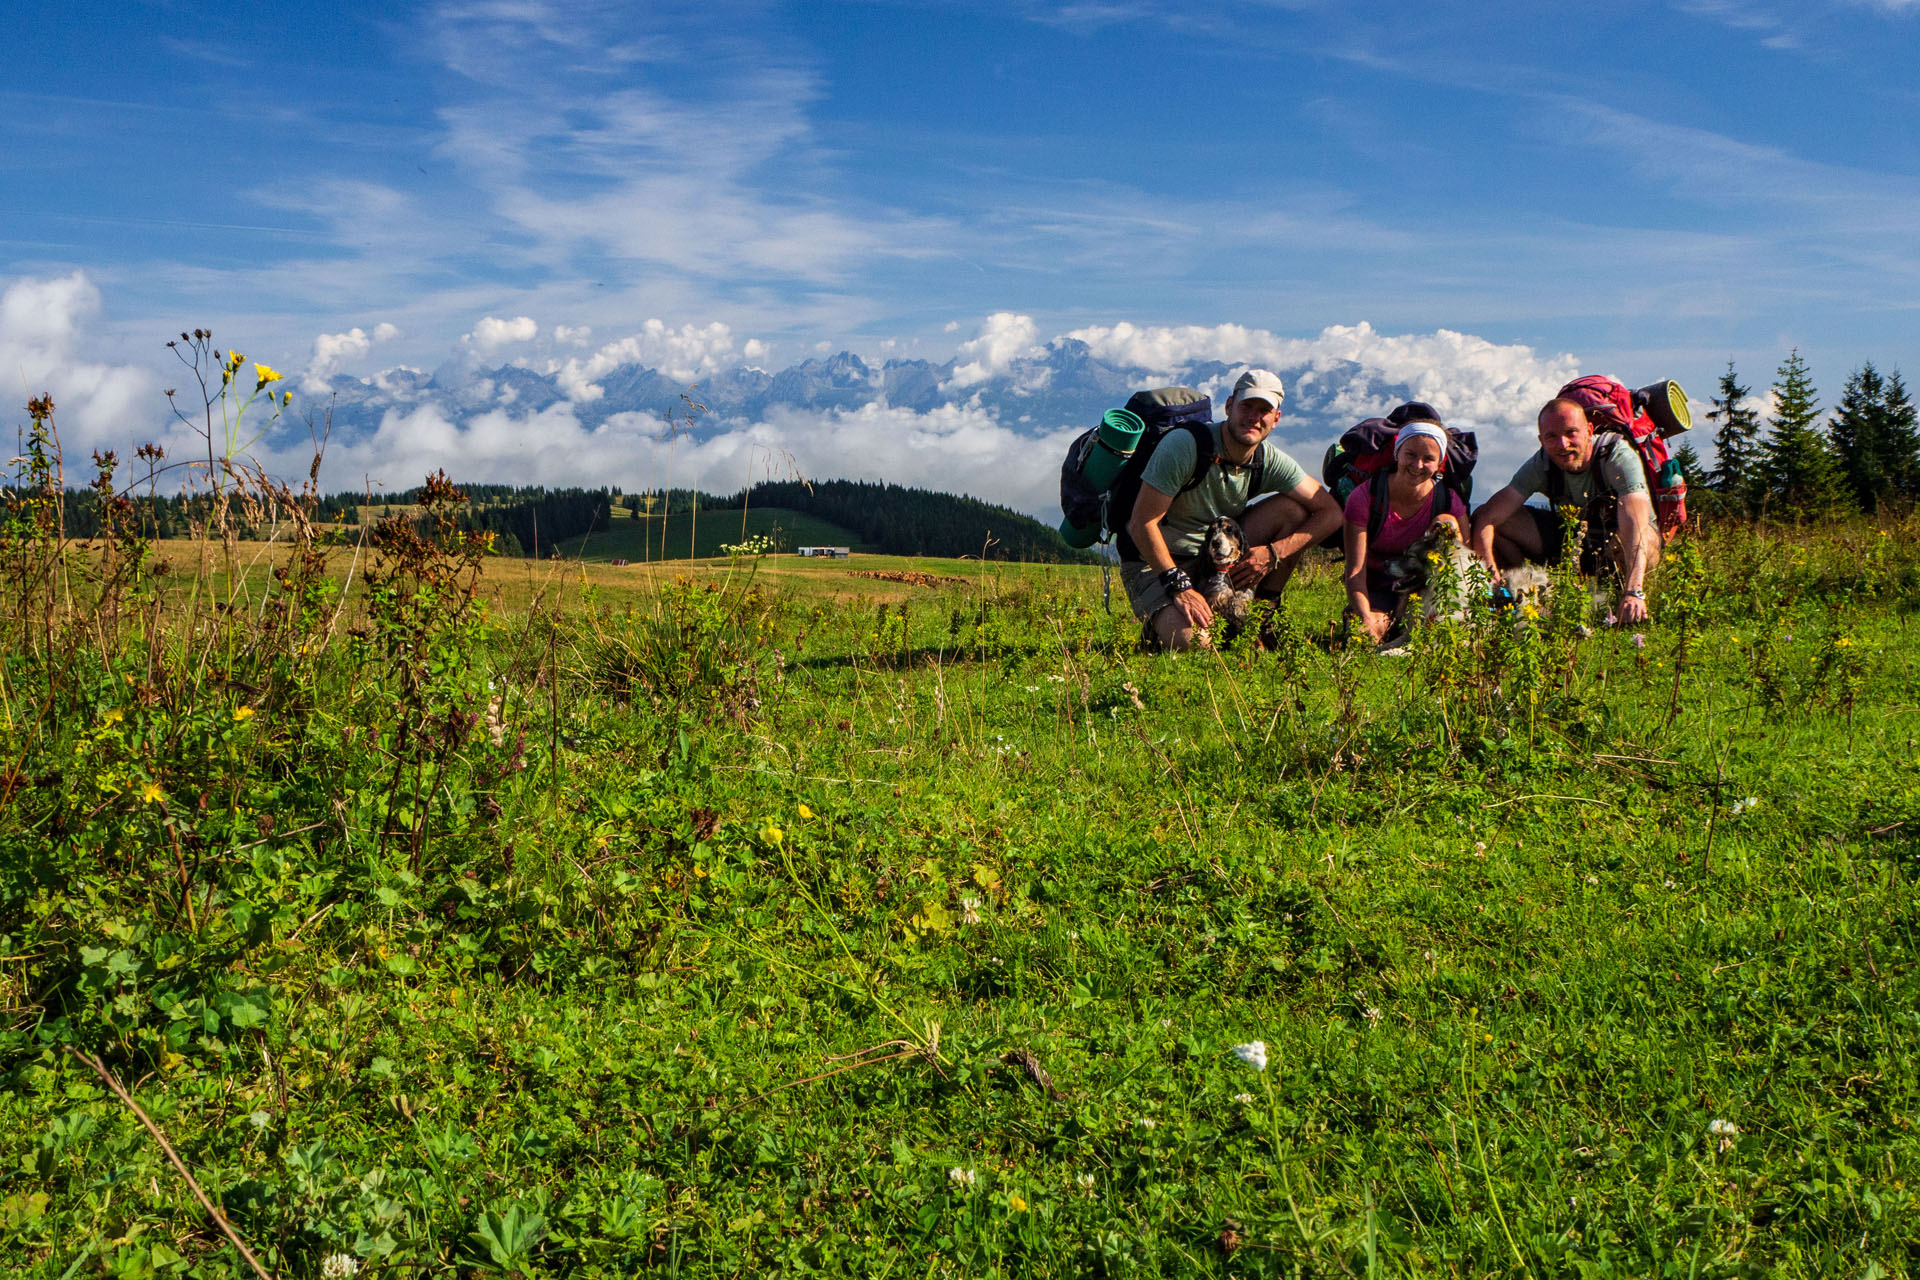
1255,565
1194,605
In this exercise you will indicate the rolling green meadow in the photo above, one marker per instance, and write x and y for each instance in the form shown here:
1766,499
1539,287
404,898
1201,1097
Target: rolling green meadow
749,917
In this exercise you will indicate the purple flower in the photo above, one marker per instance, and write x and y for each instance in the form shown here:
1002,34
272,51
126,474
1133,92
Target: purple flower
1639,640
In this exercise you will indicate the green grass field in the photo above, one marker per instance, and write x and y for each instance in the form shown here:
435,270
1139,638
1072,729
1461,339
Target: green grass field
701,535
737,919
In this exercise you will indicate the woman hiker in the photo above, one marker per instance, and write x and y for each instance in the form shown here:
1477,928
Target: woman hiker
1416,501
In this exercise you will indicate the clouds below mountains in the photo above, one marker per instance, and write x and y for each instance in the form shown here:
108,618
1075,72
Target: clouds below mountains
518,400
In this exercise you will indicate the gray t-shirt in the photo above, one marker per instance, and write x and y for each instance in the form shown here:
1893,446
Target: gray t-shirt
1225,491
1617,464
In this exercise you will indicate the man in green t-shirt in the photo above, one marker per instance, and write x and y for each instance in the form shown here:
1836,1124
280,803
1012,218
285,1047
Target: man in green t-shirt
1604,481
1170,520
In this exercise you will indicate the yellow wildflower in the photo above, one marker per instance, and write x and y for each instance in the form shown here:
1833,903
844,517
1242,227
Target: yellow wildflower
805,812
1016,1205
242,714
115,716
235,359
265,374
773,835
1843,643
152,793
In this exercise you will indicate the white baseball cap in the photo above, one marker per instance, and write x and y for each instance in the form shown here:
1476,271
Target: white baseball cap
1260,384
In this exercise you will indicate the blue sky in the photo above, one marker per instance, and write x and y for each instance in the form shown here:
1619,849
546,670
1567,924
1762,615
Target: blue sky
1650,188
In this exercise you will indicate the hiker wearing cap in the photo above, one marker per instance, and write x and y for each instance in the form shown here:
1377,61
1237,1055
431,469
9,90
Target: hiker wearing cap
1392,512
1169,518
1607,486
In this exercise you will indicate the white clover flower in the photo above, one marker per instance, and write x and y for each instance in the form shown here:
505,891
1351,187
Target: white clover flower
1147,1122
1669,884
1593,879
1031,688
260,1119
969,911
962,1178
338,1266
1244,1099
1723,1129
1370,1013
1741,806
1253,1053
1479,848
1085,1180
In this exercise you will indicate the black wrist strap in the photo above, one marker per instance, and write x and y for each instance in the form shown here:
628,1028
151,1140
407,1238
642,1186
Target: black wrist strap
1175,580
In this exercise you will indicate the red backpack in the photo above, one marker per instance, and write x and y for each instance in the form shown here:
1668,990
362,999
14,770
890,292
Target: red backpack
1644,418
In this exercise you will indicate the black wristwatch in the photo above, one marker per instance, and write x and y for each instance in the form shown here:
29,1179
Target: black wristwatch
1632,593
1175,580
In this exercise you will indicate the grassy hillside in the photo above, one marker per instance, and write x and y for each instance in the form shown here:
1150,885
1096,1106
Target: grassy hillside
688,536
741,921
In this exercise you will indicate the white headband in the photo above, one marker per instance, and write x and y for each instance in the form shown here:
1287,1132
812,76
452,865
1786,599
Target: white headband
1414,430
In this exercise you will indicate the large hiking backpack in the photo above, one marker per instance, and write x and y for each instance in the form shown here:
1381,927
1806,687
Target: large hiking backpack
1644,419
1363,455
1163,410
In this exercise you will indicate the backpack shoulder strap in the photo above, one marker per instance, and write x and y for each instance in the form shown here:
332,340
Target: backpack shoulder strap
1204,452
1376,507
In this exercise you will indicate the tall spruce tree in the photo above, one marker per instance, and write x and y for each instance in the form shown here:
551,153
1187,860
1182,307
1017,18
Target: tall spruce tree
1737,444
1902,441
1798,471
1859,435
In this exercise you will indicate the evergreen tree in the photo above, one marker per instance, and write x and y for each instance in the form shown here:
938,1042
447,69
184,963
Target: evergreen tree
1901,442
1860,436
1737,443
1690,465
1798,471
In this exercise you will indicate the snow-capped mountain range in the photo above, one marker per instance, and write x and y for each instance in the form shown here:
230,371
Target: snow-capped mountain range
994,427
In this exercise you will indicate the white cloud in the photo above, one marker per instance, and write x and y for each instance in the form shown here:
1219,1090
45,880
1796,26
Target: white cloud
707,186
1161,350
572,335
43,349
492,334
332,350
1004,338
685,354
